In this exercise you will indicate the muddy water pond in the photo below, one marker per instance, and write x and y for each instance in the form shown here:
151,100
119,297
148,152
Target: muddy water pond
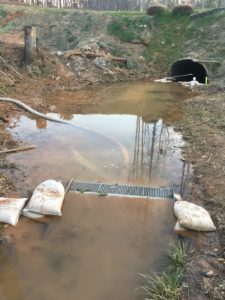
98,247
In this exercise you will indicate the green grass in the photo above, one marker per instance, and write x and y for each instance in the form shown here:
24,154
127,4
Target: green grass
177,257
162,287
165,47
200,27
71,38
9,26
2,11
123,33
128,27
200,114
167,285
49,10
125,13
205,35
176,37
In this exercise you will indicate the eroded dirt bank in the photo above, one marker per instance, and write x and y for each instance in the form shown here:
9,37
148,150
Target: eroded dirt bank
203,128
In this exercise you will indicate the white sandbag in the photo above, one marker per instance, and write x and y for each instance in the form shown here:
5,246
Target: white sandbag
32,215
47,198
192,216
178,197
178,228
10,209
36,216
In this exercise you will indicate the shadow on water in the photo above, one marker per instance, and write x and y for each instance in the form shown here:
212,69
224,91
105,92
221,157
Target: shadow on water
98,247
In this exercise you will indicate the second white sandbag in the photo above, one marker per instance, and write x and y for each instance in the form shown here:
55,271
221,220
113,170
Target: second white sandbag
47,198
192,216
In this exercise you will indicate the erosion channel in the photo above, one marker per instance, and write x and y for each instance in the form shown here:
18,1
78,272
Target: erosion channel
98,247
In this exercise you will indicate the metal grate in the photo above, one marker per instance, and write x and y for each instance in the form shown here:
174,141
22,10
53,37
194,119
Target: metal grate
125,190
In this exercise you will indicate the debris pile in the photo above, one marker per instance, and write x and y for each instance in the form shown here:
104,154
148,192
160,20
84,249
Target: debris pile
92,61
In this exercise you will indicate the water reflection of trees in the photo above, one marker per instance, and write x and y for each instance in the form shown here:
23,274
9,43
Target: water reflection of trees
153,150
148,141
185,178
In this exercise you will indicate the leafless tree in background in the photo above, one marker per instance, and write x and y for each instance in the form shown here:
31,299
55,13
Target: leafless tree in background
113,5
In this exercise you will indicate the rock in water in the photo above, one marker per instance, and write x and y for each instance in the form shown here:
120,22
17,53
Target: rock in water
192,216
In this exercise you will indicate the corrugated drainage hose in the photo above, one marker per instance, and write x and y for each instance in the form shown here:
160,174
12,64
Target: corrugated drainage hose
122,149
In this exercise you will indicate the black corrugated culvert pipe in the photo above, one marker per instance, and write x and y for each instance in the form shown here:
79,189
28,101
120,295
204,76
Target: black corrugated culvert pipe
186,69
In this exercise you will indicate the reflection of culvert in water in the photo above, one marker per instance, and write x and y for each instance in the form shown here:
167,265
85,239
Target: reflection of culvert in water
122,190
186,69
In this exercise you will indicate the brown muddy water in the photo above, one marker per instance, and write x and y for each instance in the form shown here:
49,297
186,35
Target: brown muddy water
100,244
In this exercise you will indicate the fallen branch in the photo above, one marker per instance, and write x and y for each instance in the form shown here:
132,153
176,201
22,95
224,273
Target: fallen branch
25,148
118,59
209,158
68,186
139,42
102,68
7,77
70,53
10,67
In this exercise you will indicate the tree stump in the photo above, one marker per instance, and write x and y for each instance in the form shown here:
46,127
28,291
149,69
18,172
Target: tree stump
30,44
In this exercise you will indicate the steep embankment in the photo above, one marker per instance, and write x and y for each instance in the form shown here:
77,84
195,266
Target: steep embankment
99,57
147,44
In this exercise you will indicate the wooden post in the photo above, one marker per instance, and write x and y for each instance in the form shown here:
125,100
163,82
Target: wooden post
30,44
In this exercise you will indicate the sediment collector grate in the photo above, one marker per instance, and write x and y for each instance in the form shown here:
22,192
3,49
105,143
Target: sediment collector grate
123,190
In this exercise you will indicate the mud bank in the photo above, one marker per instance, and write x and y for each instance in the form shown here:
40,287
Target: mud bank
202,126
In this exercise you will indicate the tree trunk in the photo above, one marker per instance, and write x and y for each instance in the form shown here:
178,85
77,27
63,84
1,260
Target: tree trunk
30,44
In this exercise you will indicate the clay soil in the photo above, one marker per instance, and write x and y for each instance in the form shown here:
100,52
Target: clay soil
203,127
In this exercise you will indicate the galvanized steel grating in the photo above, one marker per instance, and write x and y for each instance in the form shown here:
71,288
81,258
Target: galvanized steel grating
123,190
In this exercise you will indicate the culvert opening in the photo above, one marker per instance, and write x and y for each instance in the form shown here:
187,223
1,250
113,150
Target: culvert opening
186,69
